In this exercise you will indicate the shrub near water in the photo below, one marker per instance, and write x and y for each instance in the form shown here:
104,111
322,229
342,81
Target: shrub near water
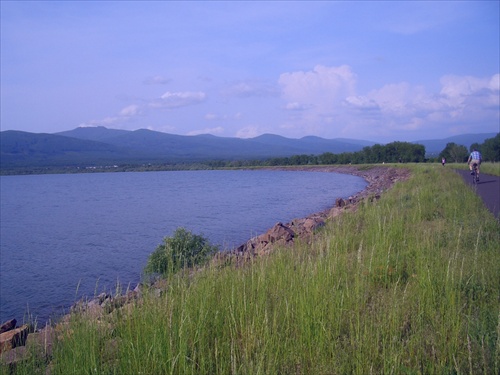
184,249
407,284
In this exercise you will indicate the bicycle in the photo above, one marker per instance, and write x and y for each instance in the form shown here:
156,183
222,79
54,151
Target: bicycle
475,175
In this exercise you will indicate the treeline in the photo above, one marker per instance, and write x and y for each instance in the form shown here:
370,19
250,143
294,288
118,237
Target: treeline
490,150
395,152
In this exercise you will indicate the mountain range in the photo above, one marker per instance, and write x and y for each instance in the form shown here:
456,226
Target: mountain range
85,146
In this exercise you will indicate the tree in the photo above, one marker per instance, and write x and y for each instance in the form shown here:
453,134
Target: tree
184,249
327,158
475,146
377,153
300,159
490,149
455,153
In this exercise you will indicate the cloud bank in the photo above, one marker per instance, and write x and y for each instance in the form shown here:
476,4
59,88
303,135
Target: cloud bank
325,101
327,96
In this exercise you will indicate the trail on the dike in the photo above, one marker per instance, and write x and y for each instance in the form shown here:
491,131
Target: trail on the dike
488,188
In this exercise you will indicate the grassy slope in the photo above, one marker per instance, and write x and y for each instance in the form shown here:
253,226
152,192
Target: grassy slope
407,284
486,167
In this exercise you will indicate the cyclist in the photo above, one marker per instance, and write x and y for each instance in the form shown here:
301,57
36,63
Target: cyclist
474,157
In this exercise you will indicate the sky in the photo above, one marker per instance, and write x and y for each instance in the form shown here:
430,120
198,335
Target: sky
381,71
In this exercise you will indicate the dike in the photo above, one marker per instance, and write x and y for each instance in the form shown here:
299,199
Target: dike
379,178
16,342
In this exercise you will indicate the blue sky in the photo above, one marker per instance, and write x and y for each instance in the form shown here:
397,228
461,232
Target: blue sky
380,71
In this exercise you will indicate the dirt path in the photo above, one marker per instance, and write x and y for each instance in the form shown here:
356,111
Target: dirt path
488,188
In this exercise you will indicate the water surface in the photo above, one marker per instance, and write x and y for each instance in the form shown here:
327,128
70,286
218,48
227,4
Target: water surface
64,236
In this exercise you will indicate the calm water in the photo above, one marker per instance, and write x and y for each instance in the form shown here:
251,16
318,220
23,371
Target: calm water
64,236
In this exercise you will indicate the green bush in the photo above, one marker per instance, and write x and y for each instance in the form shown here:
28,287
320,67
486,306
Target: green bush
184,249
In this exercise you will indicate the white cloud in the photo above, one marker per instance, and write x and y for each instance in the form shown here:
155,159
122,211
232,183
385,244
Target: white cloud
495,83
105,121
168,100
125,114
314,99
162,128
456,86
461,92
323,87
467,99
131,110
249,132
393,97
463,102
178,99
324,101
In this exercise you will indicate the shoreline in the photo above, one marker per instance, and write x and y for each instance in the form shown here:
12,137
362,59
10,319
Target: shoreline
379,179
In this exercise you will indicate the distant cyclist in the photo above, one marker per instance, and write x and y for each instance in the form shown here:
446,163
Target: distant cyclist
474,157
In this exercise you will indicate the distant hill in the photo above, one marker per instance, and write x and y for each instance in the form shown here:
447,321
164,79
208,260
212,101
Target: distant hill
97,133
87,146
208,146
20,149
435,146
100,146
311,144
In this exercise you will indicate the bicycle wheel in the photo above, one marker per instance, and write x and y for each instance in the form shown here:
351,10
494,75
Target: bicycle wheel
474,174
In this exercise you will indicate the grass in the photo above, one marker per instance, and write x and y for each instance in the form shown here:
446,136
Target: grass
404,285
486,167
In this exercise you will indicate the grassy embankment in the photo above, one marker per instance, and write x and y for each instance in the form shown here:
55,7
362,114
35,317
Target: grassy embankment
486,167
407,284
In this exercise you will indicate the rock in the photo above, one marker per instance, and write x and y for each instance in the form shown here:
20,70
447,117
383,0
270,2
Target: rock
119,301
104,303
14,337
379,180
278,232
13,357
8,325
311,224
42,341
101,298
138,291
374,197
37,343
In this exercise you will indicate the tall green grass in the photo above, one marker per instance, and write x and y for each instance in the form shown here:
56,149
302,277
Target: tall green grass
486,167
408,284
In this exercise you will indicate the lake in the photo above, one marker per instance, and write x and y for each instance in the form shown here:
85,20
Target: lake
72,235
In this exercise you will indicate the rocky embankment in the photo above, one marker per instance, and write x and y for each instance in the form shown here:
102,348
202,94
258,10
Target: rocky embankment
379,180
15,341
